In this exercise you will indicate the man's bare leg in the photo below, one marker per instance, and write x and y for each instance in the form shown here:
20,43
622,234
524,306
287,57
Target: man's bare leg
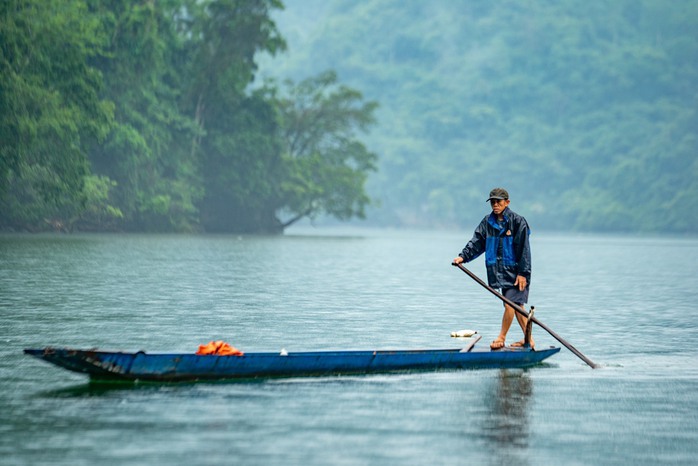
507,319
522,323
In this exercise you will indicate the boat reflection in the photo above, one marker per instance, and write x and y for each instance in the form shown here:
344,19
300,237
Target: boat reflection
90,389
506,428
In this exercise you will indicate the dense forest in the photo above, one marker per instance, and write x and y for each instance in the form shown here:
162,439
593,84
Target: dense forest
585,110
249,115
140,116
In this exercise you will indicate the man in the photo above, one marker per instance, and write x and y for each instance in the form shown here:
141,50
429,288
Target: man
503,237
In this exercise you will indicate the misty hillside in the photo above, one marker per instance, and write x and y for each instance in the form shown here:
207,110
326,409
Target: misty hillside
585,111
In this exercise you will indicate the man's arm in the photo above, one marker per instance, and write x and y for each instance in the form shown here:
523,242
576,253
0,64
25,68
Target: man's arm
524,259
475,246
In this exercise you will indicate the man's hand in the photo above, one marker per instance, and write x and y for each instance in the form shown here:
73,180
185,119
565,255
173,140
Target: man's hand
520,282
458,260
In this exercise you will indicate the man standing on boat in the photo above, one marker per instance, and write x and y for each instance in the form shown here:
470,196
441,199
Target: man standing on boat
503,237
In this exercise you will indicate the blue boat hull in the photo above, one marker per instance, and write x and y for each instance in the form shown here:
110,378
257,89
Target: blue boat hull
170,367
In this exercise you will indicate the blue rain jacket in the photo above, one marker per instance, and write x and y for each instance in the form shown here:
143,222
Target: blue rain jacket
506,247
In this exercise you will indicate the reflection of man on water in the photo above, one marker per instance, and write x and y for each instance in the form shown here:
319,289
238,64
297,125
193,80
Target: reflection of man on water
506,426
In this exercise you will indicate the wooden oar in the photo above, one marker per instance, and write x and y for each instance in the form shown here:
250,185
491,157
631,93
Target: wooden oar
521,311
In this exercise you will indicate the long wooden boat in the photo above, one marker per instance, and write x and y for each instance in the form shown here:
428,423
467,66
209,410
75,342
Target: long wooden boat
171,367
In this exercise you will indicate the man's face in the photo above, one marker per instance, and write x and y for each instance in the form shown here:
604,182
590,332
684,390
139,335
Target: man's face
498,205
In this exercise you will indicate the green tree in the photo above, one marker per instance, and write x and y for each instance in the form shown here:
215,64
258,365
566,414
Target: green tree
242,168
99,212
326,164
50,109
236,143
157,183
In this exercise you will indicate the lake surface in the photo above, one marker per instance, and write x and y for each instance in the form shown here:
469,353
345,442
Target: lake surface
628,303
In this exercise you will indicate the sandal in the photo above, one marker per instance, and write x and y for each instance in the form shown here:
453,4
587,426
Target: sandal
521,344
497,344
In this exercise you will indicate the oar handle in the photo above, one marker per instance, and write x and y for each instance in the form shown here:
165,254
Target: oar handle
523,312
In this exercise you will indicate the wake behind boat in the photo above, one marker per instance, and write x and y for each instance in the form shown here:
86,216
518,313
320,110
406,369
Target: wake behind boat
172,367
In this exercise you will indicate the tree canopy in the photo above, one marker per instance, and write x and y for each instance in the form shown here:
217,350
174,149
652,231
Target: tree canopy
585,111
246,115
142,116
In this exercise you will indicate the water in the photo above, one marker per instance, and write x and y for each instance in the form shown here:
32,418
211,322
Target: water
628,303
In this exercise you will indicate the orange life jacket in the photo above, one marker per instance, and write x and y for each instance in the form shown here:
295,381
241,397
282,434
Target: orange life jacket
219,348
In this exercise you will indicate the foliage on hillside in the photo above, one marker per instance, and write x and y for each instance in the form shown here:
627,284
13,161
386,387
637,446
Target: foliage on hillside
140,116
155,116
586,111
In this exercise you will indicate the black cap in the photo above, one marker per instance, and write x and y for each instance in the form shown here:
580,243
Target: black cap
498,193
